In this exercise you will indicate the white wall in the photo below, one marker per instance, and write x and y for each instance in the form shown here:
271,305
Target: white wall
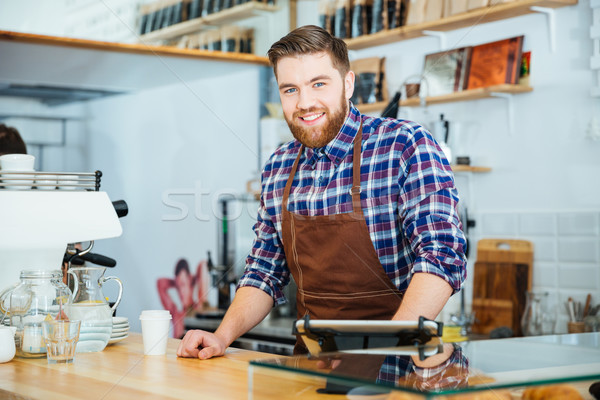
170,143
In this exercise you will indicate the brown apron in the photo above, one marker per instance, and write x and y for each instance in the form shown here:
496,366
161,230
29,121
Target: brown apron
333,260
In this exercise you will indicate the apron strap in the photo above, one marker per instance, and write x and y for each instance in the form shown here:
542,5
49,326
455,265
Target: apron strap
355,190
288,185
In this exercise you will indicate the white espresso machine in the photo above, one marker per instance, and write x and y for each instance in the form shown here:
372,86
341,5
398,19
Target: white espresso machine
43,212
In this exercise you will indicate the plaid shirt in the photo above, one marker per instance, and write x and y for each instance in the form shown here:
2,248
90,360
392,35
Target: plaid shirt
408,198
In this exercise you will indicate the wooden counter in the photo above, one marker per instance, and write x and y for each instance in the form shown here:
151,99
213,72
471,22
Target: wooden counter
122,371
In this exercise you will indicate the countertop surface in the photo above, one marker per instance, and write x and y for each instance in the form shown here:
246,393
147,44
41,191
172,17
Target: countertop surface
121,371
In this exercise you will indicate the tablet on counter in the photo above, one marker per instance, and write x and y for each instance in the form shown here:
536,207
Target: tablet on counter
361,335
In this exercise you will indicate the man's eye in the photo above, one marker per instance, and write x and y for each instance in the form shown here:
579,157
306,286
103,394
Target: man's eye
319,84
290,90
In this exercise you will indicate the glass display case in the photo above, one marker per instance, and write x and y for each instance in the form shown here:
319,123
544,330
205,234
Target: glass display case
515,368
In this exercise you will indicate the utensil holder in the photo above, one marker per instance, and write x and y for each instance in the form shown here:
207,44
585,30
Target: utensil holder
576,327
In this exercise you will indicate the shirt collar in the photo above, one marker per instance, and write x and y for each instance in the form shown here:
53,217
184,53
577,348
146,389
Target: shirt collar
337,149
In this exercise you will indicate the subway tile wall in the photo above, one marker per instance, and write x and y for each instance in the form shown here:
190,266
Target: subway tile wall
566,252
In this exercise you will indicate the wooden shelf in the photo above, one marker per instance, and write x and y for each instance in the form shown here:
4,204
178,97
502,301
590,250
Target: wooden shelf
30,59
233,14
469,168
468,95
458,21
465,95
372,107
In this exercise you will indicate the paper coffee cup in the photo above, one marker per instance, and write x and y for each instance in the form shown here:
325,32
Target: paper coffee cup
155,331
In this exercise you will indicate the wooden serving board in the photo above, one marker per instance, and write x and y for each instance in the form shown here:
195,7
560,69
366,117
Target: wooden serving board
491,314
503,271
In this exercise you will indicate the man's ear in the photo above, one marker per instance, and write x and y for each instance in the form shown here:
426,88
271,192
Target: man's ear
349,84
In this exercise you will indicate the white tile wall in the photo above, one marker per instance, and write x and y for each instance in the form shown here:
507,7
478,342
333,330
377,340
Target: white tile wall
566,251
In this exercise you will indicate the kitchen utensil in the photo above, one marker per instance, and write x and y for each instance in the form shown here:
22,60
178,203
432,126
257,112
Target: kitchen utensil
90,306
40,295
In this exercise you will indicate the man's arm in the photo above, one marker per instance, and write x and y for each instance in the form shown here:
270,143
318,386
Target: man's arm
426,296
250,306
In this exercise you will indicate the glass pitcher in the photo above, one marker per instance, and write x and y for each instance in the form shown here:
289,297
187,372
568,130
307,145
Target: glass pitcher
539,317
40,294
90,306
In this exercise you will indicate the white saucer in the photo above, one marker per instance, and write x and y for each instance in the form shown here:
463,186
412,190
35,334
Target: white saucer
119,330
116,339
118,326
120,320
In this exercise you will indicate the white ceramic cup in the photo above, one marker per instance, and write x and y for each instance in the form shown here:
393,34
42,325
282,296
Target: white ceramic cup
17,162
45,182
64,180
155,331
7,343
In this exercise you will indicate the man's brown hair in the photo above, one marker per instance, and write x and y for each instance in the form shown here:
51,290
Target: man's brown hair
311,39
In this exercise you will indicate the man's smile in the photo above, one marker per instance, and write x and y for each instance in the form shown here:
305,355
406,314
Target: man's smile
312,117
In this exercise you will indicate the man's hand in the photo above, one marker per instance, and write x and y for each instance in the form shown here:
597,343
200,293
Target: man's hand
249,307
201,344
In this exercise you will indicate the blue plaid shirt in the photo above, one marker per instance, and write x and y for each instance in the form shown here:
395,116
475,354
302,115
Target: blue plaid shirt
408,198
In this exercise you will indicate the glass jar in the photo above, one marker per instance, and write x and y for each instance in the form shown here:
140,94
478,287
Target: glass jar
539,317
41,294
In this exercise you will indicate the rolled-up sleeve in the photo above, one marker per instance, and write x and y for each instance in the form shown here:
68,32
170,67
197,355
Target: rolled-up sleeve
429,211
266,268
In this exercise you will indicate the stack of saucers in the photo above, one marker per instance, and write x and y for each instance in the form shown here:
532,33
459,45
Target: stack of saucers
120,329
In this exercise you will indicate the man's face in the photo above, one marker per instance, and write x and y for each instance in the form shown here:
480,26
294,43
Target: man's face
314,97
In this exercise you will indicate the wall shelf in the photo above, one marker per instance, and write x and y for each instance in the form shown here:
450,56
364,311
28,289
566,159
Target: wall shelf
469,168
458,21
233,14
35,60
465,95
468,95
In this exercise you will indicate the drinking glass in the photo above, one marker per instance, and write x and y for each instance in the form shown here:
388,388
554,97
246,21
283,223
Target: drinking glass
61,338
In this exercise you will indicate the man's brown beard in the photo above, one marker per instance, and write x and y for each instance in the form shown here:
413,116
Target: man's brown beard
328,132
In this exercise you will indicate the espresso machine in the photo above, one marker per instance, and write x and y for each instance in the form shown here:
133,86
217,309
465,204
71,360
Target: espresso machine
42,213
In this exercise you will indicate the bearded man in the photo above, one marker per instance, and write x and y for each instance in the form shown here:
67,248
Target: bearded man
361,211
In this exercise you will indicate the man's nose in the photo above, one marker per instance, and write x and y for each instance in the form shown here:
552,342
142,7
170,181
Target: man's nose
306,100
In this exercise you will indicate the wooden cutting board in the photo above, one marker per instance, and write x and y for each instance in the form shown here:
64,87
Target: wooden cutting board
503,271
491,314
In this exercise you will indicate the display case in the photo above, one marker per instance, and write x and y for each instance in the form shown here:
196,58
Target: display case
496,369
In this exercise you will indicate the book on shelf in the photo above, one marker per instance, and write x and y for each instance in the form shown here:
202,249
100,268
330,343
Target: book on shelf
452,7
474,4
416,12
495,63
525,68
445,72
434,10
